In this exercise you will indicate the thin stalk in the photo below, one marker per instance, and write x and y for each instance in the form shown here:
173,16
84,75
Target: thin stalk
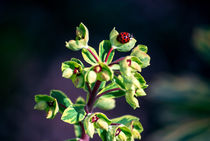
84,136
115,89
93,54
108,54
117,61
92,97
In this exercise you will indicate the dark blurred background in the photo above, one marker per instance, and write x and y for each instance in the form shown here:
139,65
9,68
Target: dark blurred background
177,33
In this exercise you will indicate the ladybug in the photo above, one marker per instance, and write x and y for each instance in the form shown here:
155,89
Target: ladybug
124,37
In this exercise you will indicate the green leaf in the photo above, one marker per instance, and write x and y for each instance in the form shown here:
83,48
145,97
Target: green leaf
119,46
51,110
80,100
131,100
82,32
78,61
119,81
62,99
141,80
125,130
75,139
79,81
103,116
88,57
112,94
88,126
73,114
126,119
102,134
77,130
105,103
104,48
138,126
143,48
111,134
68,67
144,58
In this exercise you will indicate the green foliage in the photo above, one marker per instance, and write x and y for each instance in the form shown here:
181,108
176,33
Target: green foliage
104,80
73,114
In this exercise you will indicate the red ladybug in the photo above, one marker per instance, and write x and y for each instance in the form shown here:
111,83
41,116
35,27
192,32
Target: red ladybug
124,37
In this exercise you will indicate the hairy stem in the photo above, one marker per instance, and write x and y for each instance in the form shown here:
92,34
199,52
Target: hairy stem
93,54
115,89
108,54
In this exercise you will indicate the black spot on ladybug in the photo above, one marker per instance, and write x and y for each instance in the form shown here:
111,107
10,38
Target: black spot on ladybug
124,37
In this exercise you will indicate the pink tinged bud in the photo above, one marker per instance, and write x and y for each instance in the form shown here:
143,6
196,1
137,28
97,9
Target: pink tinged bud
97,69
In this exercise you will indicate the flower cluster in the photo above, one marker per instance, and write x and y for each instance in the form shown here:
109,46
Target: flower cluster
104,80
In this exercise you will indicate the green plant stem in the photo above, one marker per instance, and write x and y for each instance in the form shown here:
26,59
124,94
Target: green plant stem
108,54
93,54
115,89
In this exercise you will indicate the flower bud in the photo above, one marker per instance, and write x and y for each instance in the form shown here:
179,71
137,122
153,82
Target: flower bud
104,76
67,73
120,135
50,113
92,77
135,66
97,69
140,92
102,124
136,134
42,105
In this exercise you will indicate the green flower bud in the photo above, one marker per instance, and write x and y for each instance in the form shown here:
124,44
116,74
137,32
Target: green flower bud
42,105
104,76
135,66
140,92
92,77
50,113
91,129
102,124
67,73
122,136
136,134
